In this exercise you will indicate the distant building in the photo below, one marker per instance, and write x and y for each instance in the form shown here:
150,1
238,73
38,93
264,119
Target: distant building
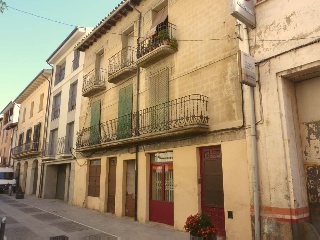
8,121
29,135
58,157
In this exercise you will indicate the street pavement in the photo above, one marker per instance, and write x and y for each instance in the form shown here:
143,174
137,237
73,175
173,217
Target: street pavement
35,218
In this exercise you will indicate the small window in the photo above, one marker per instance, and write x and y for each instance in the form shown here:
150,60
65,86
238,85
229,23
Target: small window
31,109
94,178
56,106
60,72
41,102
72,97
24,115
75,62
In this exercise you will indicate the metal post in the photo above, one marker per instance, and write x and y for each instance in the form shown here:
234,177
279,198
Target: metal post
2,228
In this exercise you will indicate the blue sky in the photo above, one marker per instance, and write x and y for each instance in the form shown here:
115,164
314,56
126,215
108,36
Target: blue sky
27,41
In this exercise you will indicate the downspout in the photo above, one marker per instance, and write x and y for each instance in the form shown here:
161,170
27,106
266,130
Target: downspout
255,173
45,132
137,120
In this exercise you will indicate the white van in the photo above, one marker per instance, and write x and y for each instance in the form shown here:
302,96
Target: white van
6,177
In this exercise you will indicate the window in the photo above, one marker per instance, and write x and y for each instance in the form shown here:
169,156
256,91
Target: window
21,136
69,137
36,137
11,114
31,109
24,115
60,72
94,178
2,137
52,147
28,138
41,102
56,106
72,96
124,129
162,184
75,62
95,123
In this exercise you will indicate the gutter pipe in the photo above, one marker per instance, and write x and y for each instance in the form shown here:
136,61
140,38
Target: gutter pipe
255,166
45,132
137,119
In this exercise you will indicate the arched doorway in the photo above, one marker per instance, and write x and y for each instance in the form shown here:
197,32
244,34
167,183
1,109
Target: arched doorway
25,171
35,176
17,175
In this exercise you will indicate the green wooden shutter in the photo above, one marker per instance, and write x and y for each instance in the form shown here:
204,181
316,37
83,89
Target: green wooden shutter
159,97
124,129
95,123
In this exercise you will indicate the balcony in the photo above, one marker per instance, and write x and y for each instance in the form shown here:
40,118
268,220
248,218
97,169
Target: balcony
62,148
72,103
26,150
122,65
158,46
183,116
94,82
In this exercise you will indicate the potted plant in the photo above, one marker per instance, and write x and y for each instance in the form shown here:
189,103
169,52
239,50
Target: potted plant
19,193
164,36
200,227
174,43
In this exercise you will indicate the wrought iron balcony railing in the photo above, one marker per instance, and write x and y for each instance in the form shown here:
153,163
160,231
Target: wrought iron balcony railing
62,146
94,82
125,58
157,45
173,115
26,148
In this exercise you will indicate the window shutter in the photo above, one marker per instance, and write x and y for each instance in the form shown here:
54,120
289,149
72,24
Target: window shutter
95,123
159,97
124,129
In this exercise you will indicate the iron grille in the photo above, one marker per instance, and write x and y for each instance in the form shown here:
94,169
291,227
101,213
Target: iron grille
178,113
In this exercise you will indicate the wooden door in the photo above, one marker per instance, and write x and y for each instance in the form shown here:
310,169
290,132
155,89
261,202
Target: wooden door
212,197
130,188
112,185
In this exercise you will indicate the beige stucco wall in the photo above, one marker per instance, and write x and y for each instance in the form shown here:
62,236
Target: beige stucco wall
282,26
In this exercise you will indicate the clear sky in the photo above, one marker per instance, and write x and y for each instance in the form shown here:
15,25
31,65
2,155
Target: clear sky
27,41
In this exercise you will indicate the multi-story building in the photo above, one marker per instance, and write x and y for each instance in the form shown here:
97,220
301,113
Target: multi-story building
162,130
63,122
286,47
8,120
27,146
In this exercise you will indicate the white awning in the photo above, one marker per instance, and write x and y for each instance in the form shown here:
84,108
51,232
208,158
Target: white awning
160,17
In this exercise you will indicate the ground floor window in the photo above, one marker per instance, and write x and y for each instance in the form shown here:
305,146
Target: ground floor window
94,178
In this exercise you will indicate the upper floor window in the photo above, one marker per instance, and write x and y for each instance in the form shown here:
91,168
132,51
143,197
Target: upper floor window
60,72
21,136
75,62
56,106
24,115
31,109
41,102
72,96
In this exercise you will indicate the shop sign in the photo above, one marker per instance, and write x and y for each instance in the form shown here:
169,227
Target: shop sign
246,69
243,10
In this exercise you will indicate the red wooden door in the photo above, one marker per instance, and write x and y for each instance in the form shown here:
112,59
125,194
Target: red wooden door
161,197
212,197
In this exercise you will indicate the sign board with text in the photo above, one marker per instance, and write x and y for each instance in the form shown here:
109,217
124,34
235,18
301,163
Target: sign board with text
243,10
247,72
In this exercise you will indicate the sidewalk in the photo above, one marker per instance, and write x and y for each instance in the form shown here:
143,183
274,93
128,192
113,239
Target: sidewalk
52,217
